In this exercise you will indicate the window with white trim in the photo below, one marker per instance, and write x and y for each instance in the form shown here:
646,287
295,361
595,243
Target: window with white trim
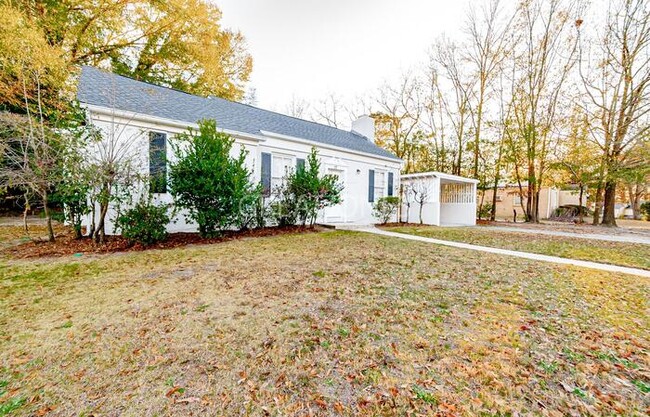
380,184
281,165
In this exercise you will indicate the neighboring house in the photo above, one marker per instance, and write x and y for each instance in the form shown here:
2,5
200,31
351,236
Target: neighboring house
550,198
144,118
623,211
449,200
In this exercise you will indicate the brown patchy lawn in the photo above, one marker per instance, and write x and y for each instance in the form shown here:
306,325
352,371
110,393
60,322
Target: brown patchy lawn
616,253
331,323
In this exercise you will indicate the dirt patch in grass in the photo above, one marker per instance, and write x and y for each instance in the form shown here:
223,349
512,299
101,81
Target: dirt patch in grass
615,253
336,323
66,244
626,227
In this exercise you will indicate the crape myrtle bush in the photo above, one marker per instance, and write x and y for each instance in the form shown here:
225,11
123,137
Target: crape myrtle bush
304,192
385,208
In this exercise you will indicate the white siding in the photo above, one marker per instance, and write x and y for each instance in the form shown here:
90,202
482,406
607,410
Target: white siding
351,166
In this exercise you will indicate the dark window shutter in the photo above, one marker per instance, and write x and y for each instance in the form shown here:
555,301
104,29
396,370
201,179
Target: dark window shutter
371,185
390,184
158,162
300,163
266,173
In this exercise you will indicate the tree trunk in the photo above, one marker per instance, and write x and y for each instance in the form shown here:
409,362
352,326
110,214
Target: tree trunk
635,203
76,226
536,204
93,213
597,204
100,233
493,210
421,206
477,138
581,218
532,206
609,205
25,226
48,218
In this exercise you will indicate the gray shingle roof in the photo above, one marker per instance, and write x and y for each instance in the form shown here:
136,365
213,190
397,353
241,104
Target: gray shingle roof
102,88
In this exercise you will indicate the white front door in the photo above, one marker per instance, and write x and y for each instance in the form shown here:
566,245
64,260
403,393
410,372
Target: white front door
336,214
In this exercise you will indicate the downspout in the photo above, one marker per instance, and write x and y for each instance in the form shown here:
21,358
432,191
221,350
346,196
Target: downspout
437,199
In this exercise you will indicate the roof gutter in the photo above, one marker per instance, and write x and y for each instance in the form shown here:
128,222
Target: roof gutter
440,175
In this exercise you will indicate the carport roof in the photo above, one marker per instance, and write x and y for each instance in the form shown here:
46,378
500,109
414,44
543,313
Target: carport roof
441,175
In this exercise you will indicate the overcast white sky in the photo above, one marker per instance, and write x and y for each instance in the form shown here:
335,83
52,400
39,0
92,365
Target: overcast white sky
309,48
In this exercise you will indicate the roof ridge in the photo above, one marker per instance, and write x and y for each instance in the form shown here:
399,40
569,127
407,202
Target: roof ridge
221,98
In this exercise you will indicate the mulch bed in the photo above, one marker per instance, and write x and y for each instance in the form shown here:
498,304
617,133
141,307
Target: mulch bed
394,224
397,224
66,244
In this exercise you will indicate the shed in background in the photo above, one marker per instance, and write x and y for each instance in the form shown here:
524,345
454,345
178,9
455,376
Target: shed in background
442,199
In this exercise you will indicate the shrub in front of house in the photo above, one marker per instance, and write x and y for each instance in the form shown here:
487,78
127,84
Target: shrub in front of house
304,192
645,210
569,212
212,186
385,208
484,211
144,223
313,191
284,211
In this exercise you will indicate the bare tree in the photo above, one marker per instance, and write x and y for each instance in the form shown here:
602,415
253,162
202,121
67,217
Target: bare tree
34,150
436,153
421,192
297,107
489,41
113,158
360,106
544,61
398,118
33,155
328,110
456,106
505,105
636,175
618,87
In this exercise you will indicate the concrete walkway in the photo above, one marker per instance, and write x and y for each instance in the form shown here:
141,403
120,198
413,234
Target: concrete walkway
525,255
593,236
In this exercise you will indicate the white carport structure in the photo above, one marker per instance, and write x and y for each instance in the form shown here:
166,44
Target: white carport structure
447,200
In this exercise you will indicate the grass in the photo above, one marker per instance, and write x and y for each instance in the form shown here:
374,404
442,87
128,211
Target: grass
335,323
615,253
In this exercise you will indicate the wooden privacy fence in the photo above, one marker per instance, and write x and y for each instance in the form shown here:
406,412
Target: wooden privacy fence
457,193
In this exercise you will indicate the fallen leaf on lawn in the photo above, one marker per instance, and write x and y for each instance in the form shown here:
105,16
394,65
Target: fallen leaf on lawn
173,391
187,400
567,387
